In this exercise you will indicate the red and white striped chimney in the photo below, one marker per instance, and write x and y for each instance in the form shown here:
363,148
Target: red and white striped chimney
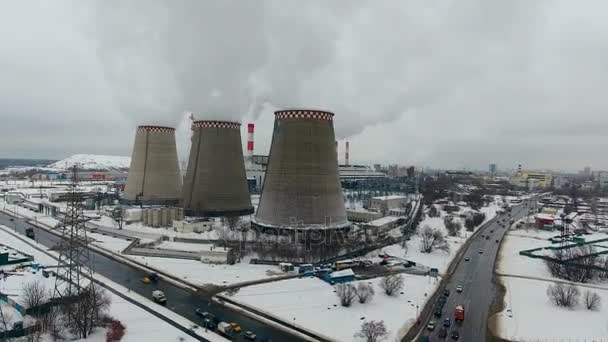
250,130
346,154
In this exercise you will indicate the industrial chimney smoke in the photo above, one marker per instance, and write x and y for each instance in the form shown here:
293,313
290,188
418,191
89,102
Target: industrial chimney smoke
215,183
154,176
302,188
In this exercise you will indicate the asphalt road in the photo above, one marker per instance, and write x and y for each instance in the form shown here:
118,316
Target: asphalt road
179,300
476,278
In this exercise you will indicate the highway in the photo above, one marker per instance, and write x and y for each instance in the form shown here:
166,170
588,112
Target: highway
476,277
180,301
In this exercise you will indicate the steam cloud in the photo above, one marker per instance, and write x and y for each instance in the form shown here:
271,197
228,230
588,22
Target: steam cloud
368,61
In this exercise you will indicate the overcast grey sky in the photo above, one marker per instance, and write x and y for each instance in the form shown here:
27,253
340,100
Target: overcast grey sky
443,83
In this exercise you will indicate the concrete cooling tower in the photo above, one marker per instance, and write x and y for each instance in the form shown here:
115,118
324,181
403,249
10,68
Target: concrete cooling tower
302,187
215,183
154,175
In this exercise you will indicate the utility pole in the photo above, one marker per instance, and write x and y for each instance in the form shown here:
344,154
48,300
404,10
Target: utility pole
74,272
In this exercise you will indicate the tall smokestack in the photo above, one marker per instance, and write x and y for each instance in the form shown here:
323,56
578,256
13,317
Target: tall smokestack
215,183
302,188
346,154
250,143
154,176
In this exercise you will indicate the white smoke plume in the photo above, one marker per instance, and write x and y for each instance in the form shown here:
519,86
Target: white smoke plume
368,61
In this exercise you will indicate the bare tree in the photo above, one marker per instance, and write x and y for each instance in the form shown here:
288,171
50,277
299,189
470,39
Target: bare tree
593,301
575,264
5,318
224,234
373,331
118,216
563,295
34,294
83,314
392,284
433,211
365,292
346,293
51,323
453,227
433,239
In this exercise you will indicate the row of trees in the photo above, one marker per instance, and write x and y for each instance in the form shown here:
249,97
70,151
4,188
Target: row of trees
364,292
73,318
569,296
580,264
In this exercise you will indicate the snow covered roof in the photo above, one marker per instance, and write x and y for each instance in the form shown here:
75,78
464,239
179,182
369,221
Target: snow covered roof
383,221
390,197
344,273
542,216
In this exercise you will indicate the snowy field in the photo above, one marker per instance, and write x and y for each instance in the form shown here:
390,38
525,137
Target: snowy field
311,303
528,314
533,318
140,324
197,272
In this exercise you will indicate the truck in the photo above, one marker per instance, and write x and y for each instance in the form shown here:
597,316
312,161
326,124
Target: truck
459,313
225,328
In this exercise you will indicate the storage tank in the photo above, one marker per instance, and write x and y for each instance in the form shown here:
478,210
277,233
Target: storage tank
302,186
154,176
215,183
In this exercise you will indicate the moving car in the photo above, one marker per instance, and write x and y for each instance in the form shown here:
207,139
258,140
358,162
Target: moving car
443,333
497,241
446,292
467,259
431,325
29,232
159,296
146,280
459,288
249,335
235,327
447,323
480,251
455,335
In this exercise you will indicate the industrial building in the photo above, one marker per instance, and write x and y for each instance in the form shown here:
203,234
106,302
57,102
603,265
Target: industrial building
154,176
215,182
302,188
531,179
386,203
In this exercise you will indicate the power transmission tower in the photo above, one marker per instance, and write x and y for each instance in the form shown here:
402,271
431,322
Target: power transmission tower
74,272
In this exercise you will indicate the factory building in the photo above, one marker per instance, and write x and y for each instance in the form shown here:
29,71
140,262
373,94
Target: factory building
154,176
215,182
531,179
302,188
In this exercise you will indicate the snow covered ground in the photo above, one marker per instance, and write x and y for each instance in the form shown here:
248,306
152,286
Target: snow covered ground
93,162
197,272
312,304
528,314
140,324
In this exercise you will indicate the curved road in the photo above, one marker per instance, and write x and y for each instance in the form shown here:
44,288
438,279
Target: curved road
180,301
476,278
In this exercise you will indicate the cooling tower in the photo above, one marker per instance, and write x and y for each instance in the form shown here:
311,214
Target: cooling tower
154,175
215,183
302,187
